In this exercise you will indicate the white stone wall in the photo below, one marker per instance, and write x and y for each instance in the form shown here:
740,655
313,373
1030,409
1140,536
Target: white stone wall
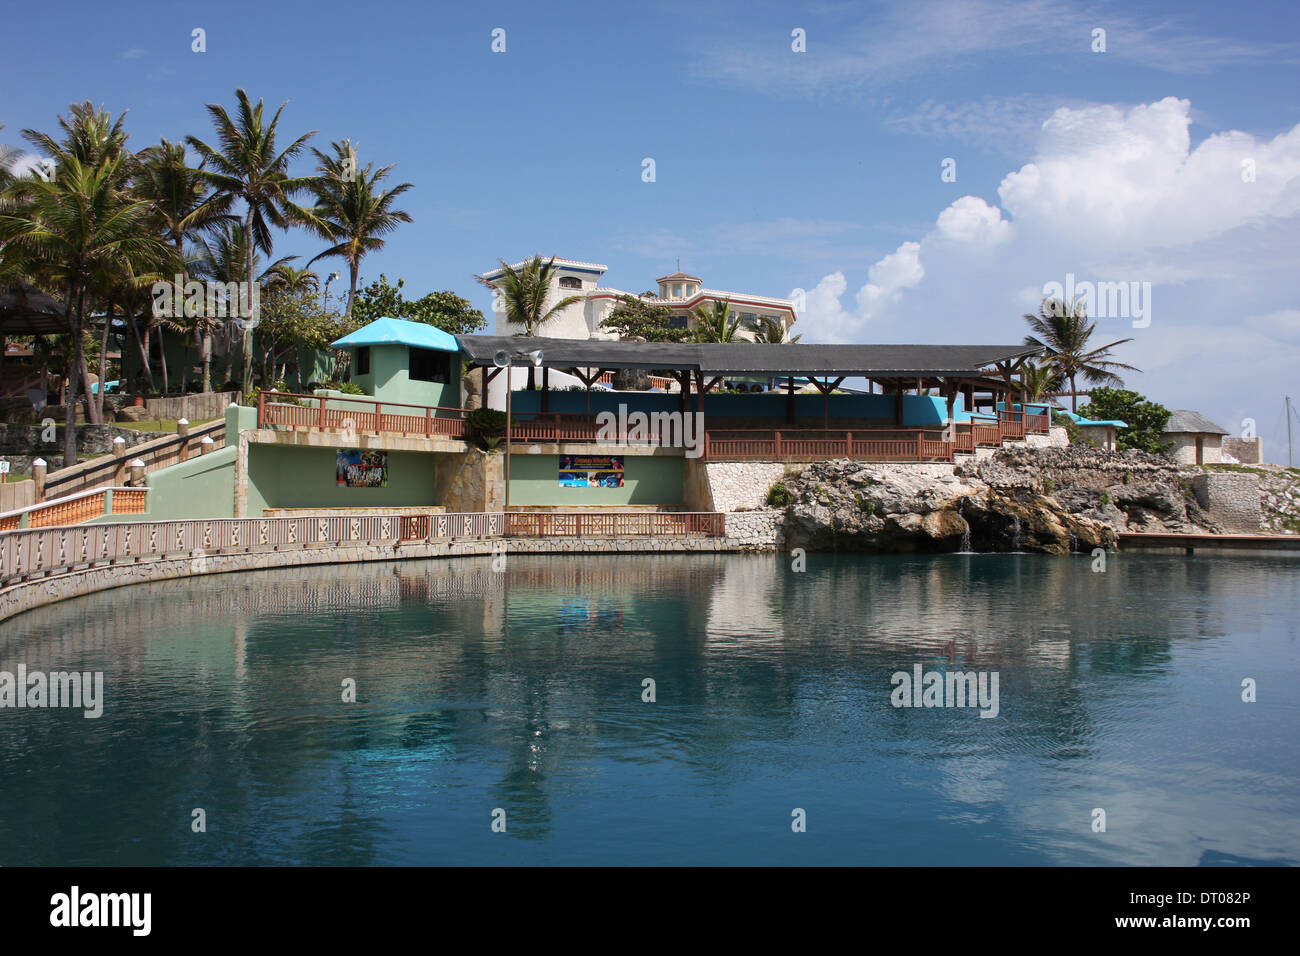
1184,450
1056,437
753,528
742,485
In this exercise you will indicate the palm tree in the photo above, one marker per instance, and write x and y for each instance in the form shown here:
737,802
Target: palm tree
83,226
224,256
247,166
523,293
1039,381
1064,330
288,279
353,210
184,207
717,323
772,331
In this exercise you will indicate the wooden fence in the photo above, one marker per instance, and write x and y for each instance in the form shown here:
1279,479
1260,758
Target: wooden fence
347,414
199,406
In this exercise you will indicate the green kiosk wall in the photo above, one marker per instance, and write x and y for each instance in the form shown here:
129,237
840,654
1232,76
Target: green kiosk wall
647,480
389,377
285,476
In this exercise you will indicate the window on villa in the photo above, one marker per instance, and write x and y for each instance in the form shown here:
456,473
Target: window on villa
428,365
749,320
570,282
677,322
677,290
690,290
363,360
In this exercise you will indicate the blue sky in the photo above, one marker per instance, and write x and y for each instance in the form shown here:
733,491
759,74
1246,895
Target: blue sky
778,170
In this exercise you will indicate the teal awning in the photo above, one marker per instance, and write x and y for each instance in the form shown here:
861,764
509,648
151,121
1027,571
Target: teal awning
399,332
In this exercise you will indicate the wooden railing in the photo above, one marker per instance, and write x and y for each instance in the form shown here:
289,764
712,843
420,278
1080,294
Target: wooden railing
76,509
38,552
552,427
819,445
615,525
113,470
359,415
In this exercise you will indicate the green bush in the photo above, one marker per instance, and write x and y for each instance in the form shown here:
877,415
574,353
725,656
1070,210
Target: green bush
866,506
778,496
351,388
487,421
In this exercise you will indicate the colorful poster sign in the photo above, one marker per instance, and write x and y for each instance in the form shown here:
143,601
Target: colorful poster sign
591,471
361,469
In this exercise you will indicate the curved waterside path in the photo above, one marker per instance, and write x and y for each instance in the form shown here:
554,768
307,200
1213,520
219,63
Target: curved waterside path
522,690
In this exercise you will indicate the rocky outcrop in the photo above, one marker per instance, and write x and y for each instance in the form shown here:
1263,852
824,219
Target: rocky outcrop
854,506
1052,500
1128,491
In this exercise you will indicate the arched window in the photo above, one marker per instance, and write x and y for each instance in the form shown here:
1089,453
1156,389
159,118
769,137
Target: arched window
570,282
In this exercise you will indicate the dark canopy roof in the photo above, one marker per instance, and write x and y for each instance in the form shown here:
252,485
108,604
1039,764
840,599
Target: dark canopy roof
25,310
748,358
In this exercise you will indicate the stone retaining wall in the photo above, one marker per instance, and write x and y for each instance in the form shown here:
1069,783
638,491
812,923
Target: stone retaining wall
1231,499
754,529
34,594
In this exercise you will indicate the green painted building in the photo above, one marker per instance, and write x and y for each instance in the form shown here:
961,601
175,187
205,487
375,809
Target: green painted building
405,362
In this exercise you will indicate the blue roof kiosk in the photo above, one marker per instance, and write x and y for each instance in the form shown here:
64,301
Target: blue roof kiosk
405,362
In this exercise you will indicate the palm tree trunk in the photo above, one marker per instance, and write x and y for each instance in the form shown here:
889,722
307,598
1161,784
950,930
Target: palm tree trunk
143,347
1074,395
162,358
354,269
103,360
70,398
248,328
205,350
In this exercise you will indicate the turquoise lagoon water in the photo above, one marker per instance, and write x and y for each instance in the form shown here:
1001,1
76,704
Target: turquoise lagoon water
522,691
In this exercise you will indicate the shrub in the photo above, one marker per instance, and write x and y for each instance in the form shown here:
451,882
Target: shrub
351,388
866,506
778,496
487,421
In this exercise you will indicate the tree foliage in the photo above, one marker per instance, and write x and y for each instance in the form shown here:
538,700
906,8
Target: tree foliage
443,310
1146,420
632,319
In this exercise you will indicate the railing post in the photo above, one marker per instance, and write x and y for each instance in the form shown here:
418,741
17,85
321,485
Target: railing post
137,473
206,445
261,409
320,423
379,418
848,445
119,446
428,421
39,468
778,444
920,446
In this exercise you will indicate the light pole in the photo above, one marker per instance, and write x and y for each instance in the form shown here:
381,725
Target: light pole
506,360
328,279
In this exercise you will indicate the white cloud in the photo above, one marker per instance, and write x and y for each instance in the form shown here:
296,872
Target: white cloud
971,219
1114,195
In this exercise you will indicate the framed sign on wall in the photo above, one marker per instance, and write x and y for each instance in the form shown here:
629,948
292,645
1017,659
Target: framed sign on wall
591,471
361,469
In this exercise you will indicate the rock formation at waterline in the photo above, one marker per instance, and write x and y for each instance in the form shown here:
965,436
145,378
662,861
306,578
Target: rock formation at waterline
1049,500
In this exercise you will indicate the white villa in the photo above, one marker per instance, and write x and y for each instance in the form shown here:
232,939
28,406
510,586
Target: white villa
680,292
